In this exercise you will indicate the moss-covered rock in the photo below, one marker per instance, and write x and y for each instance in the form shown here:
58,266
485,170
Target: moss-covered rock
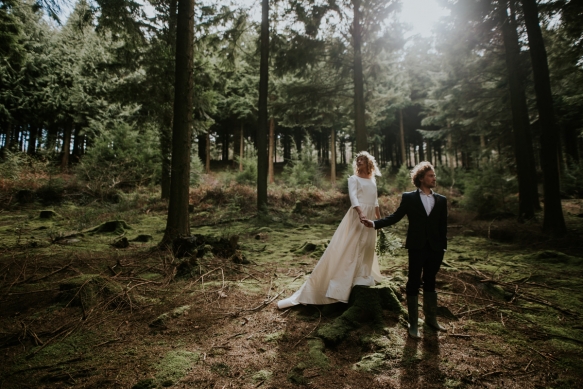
370,363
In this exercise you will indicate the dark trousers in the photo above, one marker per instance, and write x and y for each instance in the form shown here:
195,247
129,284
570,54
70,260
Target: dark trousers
423,261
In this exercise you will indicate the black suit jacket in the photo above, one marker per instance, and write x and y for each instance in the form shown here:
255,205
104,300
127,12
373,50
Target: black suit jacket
423,229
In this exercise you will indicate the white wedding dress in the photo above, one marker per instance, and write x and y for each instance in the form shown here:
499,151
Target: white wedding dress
350,257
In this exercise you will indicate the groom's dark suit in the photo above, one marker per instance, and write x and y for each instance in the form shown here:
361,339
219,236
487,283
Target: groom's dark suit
426,238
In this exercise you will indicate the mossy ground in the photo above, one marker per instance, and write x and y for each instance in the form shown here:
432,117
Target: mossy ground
515,295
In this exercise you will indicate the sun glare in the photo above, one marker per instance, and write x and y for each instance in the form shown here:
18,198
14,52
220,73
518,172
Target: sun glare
421,16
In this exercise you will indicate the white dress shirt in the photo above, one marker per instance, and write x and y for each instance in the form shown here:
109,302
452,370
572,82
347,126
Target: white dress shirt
428,201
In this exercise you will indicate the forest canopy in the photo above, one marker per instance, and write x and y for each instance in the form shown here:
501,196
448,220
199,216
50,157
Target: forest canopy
98,90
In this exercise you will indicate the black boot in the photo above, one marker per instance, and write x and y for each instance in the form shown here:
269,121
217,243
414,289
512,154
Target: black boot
430,310
413,316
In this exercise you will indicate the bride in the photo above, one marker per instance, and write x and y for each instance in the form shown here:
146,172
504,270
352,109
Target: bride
350,257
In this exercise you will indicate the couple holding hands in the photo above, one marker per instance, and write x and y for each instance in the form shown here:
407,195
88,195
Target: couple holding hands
350,257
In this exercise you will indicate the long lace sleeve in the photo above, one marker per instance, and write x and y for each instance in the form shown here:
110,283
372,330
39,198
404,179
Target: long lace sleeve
353,191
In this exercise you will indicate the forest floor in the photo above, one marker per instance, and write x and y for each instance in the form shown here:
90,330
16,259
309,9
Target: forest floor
78,312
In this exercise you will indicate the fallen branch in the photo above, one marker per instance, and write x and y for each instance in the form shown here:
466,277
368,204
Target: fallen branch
475,310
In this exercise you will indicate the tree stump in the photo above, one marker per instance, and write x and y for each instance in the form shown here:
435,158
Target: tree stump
47,214
366,305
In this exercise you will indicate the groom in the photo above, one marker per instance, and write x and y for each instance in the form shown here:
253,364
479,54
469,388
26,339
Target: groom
426,242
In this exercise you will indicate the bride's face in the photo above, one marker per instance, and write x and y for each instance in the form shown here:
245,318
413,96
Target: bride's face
361,163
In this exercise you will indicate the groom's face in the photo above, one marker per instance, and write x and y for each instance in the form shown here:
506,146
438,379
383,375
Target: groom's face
429,180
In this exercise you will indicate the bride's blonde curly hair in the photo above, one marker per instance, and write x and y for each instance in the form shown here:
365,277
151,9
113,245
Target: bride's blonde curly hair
372,168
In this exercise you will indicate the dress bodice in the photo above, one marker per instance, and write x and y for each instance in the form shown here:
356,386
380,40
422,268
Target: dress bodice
362,191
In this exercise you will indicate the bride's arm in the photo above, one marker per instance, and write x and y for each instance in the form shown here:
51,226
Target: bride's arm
377,212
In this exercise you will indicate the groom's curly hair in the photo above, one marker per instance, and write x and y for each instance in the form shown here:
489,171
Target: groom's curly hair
419,171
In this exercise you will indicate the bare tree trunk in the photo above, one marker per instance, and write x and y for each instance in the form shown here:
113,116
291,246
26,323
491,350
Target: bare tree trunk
178,220
271,150
32,136
527,188
66,145
333,156
359,108
262,160
402,138
553,220
241,148
166,129
207,161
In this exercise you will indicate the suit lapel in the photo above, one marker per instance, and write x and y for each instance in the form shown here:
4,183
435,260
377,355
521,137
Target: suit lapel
420,202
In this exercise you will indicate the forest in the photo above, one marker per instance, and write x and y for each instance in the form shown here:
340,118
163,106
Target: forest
170,169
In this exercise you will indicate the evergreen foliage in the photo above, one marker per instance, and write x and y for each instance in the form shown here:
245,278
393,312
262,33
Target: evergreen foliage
304,170
127,158
490,191
249,174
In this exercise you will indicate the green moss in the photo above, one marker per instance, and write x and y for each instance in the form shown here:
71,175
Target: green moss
365,305
316,354
276,336
175,365
262,375
370,363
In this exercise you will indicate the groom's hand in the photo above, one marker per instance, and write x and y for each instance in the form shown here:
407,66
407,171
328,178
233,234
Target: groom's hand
368,223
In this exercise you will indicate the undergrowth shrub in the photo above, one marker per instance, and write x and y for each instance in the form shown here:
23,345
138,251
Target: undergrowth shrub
122,157
249,174
403,178
303,169
448,177
19,169
490,191
197,169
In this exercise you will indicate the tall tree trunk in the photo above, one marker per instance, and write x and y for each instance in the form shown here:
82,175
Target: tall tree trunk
262,160
178,223
32,136
207,153
359,108
167,119
52,134
241,147
271,150
333,156
527,188
225,145
66,145
429,151
402,138
553,221
166,153
77,144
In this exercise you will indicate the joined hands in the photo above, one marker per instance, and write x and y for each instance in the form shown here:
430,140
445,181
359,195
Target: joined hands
367,223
